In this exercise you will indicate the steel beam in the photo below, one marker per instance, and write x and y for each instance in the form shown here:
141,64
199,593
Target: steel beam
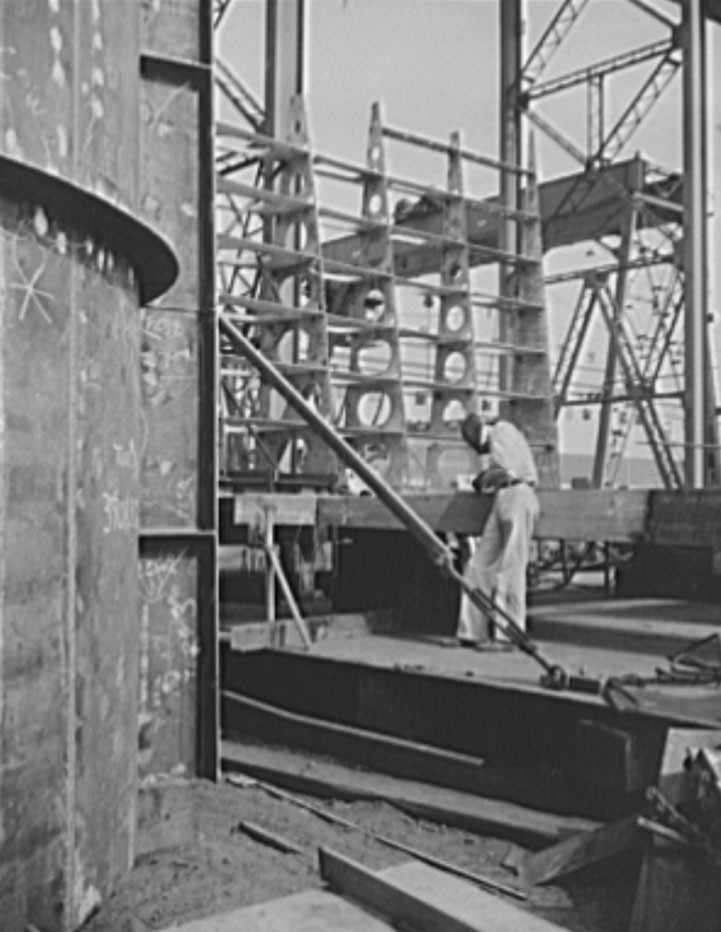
601,69
552,37
285,60
640,105
652,11
511,29
633,379
238,94
572,346
694,159
604,419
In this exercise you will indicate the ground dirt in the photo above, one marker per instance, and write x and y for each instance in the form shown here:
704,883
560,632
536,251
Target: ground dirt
196,861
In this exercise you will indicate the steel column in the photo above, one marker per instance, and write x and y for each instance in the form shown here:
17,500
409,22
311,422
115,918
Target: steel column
694,158
510,151
284,60
604,415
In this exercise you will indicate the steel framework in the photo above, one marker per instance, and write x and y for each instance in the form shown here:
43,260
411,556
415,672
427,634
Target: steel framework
643,312
650,220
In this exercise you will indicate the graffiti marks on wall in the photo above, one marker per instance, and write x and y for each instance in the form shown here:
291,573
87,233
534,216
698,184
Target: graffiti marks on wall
168,662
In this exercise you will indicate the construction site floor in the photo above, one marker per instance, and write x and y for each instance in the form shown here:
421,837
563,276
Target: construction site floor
198,863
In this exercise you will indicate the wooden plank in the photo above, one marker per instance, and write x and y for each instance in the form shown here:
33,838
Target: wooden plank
257,635
422,898
289,597
571,514
309,911
688,519
685,518
678,890
574,854
382,896
285,509
483,910
266,837
327,816
325,778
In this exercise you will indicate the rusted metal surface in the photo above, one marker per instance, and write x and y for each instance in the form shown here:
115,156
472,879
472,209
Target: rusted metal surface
177,515
74,263
169,649
68,664
169,199
69,94
174,27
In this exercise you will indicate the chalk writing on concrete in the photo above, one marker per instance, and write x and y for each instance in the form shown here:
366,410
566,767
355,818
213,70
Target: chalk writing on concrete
120,512
126,457
163,327
155,573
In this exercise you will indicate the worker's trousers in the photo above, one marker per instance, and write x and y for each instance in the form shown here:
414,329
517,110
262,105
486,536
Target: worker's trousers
498,565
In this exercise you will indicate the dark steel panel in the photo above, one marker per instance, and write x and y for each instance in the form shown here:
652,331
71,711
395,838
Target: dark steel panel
107,409
69,491
107,109
177,657
529,738
35,427
69,94
169,199
173,28
179,728
168,659
107,227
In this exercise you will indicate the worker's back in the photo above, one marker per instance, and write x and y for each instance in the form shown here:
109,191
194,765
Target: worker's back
510,451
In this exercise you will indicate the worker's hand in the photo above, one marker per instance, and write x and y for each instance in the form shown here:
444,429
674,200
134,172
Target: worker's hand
445,562
477,483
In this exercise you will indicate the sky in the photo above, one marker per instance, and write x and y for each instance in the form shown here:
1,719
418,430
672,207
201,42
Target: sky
433,65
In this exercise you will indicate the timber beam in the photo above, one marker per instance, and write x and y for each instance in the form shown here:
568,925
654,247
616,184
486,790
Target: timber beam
673,519
566,514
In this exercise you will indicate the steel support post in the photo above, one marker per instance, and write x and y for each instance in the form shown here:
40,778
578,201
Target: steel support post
595,129
285,60
694,158
285,66
604,414
510,151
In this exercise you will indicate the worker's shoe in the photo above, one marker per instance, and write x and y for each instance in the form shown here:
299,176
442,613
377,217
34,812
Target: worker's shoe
497,645
470,642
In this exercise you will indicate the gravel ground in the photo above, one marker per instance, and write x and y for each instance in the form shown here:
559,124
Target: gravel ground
211,866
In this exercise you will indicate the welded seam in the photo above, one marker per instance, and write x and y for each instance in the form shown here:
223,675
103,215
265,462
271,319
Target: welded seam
3,515
71,492
70,629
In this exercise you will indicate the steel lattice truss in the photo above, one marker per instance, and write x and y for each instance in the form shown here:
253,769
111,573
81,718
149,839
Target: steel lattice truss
639,297
636,298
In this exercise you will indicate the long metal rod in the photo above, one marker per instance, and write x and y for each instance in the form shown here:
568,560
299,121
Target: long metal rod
652,11
604,416
572,346
694,98
556,676
416,139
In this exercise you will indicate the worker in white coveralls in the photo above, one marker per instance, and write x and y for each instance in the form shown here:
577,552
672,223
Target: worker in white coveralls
498,565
